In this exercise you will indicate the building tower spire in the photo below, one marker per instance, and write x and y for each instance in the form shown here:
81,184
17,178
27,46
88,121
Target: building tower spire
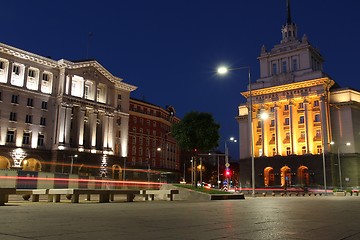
289,30
288,20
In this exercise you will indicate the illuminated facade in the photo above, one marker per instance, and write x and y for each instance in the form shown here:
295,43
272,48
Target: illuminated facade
150,142
53,111
293,107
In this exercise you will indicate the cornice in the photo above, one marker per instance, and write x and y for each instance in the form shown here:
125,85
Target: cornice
12,51
291,86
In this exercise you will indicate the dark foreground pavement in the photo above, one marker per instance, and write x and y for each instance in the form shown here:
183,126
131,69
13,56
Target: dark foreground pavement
253,218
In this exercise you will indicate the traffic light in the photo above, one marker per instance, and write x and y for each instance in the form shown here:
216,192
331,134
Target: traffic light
227,172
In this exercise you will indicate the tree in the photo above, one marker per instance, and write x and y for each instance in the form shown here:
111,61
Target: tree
196,132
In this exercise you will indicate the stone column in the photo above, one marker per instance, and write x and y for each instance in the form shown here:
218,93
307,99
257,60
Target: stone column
277,130
291,106
111,133
105,129
61,123
67,124
81,119
323,119
306,118
92,128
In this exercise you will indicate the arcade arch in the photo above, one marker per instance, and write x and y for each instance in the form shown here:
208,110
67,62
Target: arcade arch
269,177
116,172
31,164
285,173
4,163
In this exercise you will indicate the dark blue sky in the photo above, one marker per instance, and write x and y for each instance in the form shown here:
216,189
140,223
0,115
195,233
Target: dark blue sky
170,49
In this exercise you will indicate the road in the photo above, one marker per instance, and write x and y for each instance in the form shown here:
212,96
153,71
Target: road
315,217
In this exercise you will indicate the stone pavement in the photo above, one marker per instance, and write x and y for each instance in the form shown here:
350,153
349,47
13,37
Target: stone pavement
253,218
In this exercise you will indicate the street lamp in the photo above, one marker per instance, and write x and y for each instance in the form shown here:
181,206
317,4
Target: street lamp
339,161
72,162
223,70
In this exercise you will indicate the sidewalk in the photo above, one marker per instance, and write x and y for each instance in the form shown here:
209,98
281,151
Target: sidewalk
252,218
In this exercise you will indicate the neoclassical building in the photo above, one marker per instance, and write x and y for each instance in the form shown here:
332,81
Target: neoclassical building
300,118
61,116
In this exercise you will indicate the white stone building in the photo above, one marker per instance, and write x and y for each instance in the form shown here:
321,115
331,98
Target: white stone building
52,112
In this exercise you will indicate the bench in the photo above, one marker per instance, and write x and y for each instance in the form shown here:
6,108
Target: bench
4,195
130,194
34,193
150,194
55,194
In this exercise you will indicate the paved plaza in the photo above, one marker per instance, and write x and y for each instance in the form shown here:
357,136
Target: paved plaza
315,217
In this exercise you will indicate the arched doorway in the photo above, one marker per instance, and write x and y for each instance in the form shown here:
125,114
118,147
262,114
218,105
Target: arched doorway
303,175
285,176
31,164
269,176
116,172
4,163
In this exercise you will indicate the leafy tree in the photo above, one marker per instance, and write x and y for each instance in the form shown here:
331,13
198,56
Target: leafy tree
196,131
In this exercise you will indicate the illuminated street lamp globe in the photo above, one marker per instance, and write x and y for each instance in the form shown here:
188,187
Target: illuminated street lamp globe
222,70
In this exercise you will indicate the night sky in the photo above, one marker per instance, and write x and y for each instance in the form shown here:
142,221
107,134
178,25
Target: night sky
170,49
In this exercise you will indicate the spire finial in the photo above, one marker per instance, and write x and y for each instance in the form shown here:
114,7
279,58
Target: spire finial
288,20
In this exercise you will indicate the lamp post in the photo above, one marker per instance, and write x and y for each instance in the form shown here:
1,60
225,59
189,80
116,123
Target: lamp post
72,162
339,162
224,70
231,139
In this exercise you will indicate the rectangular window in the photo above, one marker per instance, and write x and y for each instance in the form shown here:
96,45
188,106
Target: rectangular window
10,136
118,121
301,105
287,135
316,103
41,138
29,102
301,120
134,140
294,65
287,121
16,70
288,152
2,65
0,96
272,109
45,77
274,69
302,134
26,138
272,123
31,73
43,105
286,107
86,91
119,97
284,67
319,149
15,99
12,116
317,118
28,119
318,133
42,121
